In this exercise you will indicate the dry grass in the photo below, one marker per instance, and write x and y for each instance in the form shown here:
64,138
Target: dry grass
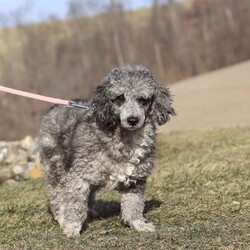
198,197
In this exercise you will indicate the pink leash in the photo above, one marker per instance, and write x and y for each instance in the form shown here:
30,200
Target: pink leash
41,97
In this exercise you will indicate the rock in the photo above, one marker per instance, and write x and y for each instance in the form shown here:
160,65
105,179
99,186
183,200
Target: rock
19,160
37,160
27,142
10,182
34,157
3,155
35,173
33,149
21,172
8,143
17,170
5,174
16,156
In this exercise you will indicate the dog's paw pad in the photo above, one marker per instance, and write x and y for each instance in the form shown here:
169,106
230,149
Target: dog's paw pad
141,226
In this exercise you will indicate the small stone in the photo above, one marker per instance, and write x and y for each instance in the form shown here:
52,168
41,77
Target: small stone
35,173
34,170
34,157
21,172
37,159
10,182
17,170
3,144
31,165
27,142
5,174
3,154
236,206
20,157
34,148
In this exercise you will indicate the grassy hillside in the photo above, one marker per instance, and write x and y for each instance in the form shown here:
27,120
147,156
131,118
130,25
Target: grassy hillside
198,197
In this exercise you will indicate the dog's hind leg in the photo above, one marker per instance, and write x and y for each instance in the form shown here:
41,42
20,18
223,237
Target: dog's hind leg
54,171
132,206
74,208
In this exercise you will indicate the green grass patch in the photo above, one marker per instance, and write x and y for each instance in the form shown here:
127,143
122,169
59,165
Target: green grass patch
198,197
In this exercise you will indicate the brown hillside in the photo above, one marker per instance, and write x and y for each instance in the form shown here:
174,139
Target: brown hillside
217,99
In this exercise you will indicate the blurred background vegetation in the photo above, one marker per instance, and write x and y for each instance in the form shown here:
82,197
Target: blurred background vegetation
67,58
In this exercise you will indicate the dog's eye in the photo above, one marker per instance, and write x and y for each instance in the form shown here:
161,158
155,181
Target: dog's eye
119,100
143,101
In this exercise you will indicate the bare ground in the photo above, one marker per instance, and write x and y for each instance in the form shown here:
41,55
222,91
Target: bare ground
217,99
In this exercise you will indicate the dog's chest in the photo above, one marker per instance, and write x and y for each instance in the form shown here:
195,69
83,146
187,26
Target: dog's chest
128,156
107,171
119,159
125,175
123,145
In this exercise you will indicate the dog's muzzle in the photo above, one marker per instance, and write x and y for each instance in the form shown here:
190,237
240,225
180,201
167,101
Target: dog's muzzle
132,121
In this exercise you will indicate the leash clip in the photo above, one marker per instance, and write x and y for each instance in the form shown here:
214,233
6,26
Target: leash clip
79,104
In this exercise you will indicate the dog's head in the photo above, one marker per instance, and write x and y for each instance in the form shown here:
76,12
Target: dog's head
129,96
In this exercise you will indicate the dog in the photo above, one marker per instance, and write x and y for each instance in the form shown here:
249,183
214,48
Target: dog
111,144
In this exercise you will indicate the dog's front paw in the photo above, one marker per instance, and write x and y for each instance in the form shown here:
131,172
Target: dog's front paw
72,230
141,226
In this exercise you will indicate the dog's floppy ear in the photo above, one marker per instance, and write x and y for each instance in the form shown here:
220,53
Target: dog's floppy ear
103,106
162,106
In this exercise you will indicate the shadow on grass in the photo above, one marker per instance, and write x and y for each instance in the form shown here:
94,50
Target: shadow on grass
108,209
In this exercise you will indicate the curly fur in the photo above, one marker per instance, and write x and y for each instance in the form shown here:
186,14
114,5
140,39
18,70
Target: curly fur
112,144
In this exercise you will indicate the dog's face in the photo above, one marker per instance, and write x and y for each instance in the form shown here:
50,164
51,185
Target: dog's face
131,102
128,96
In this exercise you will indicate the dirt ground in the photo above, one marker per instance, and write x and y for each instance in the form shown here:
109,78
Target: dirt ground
217,99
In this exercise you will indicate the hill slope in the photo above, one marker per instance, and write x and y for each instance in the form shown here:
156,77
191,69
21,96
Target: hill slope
217,99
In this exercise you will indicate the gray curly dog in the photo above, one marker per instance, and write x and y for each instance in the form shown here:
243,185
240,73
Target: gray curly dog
111,144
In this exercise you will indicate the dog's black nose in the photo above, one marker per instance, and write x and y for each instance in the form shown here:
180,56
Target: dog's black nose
132,120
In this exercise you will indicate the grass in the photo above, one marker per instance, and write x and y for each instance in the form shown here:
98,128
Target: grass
198,197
